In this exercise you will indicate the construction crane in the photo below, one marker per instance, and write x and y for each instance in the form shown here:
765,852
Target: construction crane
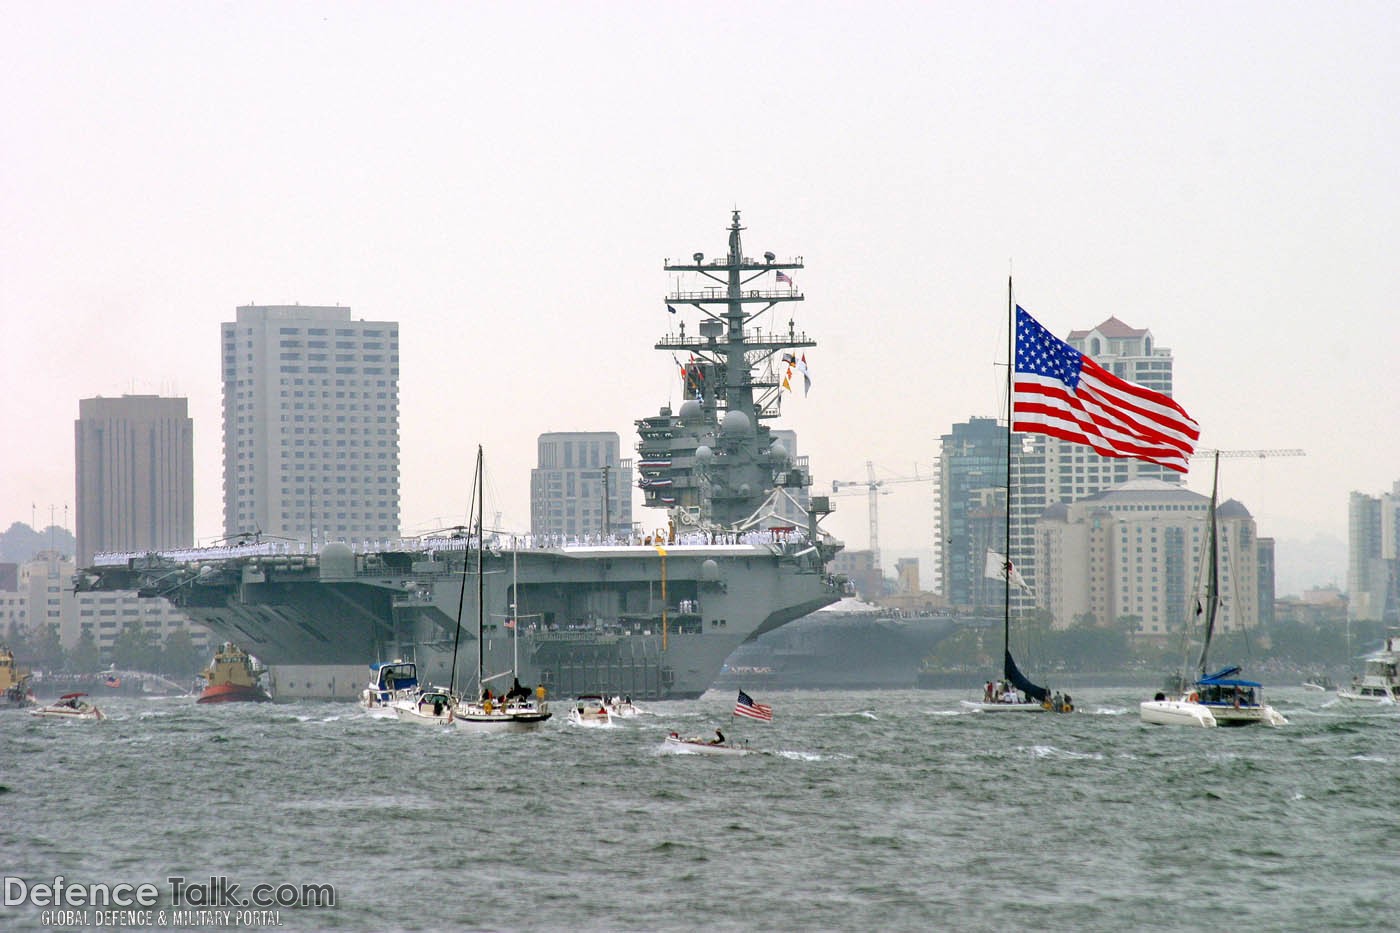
1261,454
875,488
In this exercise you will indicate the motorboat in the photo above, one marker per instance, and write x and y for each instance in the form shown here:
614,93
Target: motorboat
1380,680
695,745
426,706
623,707
590,711
69,706
389,681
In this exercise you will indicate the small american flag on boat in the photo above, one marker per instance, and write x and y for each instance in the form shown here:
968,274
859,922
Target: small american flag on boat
747,707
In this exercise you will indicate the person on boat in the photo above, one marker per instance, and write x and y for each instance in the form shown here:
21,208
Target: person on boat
1159,697
987,696
718,739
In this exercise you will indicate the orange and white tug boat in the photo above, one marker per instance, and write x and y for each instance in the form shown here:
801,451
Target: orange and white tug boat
14,682
233,678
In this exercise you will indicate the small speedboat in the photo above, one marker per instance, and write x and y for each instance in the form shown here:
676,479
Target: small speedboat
69,706
592,713
697,746
426,706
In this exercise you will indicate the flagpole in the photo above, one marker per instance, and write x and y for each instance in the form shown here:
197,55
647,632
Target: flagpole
1006,569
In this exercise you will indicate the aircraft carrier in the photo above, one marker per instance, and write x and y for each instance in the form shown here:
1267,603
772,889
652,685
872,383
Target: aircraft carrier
648,614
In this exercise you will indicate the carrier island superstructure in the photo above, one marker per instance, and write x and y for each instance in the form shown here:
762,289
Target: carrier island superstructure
735,551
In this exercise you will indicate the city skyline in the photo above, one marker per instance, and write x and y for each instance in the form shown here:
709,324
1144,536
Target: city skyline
510,203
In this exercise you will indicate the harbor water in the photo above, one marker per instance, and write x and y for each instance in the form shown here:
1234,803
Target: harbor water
889,810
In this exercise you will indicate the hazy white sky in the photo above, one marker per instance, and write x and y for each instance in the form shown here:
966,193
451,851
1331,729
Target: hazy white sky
505,179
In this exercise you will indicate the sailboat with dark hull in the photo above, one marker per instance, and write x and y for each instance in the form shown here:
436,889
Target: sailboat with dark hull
1015,692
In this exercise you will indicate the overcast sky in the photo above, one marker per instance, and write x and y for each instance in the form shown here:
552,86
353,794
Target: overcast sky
505,179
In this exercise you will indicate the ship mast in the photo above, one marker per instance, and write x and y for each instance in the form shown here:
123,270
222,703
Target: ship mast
715,463
727,339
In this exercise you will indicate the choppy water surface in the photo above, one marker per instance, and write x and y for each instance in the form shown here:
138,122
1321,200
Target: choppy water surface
856,811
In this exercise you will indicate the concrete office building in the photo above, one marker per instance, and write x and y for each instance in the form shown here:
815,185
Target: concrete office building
135,474
311,425
577,471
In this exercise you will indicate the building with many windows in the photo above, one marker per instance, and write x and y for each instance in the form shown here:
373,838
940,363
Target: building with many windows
311,425
135,474
1373,556
46,588
581,485
1140,550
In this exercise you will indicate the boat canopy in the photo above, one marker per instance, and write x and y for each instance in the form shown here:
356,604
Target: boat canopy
1222,678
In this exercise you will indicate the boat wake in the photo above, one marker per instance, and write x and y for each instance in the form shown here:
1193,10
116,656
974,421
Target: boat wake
1050,751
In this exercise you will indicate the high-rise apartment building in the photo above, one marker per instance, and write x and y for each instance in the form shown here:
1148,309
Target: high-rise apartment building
578,472
971,512
135,474
1373,556
311,425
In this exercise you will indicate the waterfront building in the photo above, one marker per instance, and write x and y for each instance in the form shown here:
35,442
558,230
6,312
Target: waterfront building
1373,556
48,597
134,461
1139,549
311,425
581,485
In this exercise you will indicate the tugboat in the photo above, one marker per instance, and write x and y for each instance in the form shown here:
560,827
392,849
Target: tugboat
232,678
14,681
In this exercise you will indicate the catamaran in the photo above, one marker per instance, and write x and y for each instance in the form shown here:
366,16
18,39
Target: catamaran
1221,698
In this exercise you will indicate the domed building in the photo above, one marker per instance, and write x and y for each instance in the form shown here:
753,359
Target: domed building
1139,549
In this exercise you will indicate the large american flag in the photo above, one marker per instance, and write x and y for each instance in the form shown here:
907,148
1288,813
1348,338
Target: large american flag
747,707
1057,390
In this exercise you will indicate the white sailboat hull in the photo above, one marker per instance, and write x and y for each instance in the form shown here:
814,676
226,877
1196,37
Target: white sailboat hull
500,722
1176,713
980,707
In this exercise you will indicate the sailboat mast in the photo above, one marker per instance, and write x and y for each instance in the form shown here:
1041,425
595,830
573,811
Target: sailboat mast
480,571
1212,572
1006,568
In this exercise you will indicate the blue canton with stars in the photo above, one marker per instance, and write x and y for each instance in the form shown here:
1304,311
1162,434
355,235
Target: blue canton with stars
1041,353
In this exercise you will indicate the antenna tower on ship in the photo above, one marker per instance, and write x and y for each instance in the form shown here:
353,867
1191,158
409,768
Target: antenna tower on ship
715,462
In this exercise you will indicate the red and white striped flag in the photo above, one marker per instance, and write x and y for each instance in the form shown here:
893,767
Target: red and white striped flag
747,707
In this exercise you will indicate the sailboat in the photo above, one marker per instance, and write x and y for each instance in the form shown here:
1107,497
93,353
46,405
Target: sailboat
1015,692
1220,698
517,710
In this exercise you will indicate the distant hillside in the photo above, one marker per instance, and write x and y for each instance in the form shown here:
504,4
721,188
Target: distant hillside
20,543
